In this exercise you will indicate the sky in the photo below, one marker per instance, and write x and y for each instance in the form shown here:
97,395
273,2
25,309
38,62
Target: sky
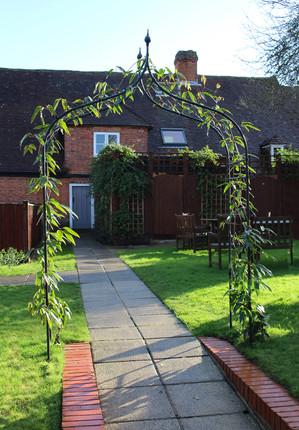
98,35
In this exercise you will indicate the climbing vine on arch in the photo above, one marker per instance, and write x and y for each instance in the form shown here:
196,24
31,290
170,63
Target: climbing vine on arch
54,119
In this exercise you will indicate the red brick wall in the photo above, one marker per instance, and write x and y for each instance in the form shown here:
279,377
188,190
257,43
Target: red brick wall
79,144
78,156
15,190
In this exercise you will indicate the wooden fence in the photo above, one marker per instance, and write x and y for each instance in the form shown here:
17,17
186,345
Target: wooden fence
19,227
174,190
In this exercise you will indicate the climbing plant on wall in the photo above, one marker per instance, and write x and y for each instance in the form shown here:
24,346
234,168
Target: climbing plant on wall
117,176
211,178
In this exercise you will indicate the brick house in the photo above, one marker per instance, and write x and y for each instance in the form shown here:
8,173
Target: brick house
270,107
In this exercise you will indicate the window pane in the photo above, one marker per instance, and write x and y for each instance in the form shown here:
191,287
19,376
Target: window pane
100,138
112,138
99,147
173,137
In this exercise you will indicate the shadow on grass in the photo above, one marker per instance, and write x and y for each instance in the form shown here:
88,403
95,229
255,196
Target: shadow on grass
34,418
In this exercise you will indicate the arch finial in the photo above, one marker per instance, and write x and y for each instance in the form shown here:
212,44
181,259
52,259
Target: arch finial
147,38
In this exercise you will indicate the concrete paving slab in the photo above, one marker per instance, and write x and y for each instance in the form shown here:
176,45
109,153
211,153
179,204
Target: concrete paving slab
129,361
90,277
71,276
133,284
118,350
185,370
149,310
175,347
89,266
126,374
105,313
146,293
164,331
144,301
238,421
123,277
205,398
110,321
129,287
98,286
31,279
103,304
90,296
15,280
138,403
153,320
123,333
162,424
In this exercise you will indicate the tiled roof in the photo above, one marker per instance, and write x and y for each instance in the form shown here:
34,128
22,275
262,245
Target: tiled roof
270,107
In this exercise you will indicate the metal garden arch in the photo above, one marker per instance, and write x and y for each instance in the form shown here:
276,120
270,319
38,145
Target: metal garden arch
146,80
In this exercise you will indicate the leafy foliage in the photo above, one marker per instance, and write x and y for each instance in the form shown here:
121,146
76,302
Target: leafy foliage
210,179
289,159
202,156
117,175
124,177
11,257
245,276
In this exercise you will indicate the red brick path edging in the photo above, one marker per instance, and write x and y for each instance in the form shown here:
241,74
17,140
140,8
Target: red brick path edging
81,408
270,400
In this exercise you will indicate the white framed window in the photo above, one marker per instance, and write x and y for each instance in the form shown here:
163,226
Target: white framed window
102,139
173,137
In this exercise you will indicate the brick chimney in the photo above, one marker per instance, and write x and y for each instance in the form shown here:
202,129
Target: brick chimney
185,62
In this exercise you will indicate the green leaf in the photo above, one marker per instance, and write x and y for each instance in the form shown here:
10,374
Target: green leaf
63,125
37,110
70,231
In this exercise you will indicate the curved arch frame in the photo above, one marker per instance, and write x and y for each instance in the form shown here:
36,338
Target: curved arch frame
146,70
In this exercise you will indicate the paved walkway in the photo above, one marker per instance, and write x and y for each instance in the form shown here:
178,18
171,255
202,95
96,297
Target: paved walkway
152,373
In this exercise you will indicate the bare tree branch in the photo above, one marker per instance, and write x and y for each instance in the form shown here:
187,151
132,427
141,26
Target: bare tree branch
277,43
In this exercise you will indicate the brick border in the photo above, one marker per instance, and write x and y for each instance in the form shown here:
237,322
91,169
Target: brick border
80,399
269,399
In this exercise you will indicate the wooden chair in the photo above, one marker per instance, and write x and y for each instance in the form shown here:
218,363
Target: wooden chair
218,240
185,231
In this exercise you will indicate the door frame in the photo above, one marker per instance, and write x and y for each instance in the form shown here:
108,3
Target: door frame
71,204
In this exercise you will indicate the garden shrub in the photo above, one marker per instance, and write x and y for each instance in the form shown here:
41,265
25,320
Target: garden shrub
11,257
117,177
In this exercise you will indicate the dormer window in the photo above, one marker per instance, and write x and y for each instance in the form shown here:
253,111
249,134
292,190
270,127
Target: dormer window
173,137
271,149
274,150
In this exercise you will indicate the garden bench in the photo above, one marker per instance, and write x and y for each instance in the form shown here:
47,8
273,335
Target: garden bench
277,232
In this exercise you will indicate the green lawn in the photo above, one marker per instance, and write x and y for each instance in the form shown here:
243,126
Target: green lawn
31,387
194,292
64,260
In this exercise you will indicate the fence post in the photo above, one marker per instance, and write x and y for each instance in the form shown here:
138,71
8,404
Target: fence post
25,245
279,186
149,196
185,196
